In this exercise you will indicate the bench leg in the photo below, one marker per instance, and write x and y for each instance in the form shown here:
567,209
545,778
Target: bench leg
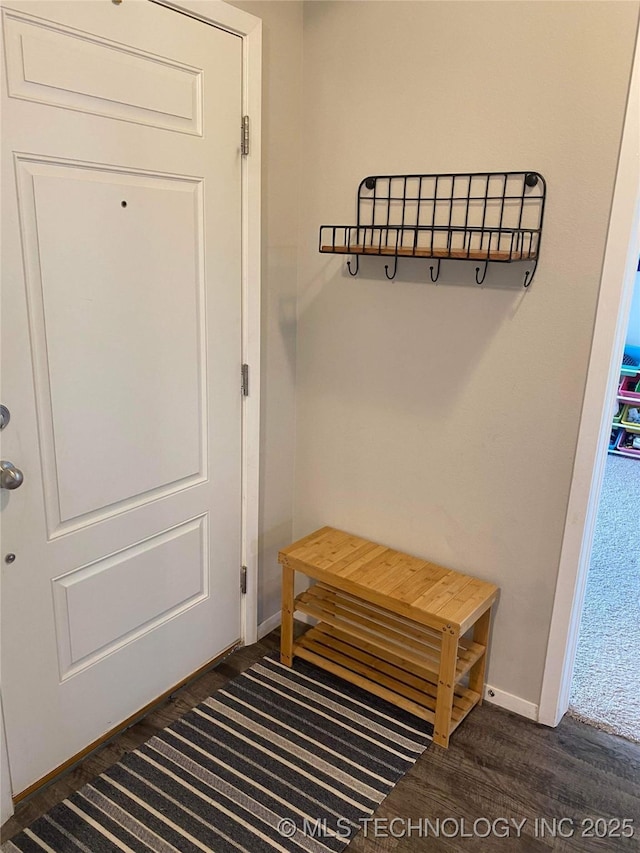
288,606
477,671
446,683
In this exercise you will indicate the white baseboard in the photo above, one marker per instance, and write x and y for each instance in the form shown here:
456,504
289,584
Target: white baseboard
495,696
272,622
268,625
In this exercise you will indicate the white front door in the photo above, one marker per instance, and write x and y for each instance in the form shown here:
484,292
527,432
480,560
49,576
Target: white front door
121,355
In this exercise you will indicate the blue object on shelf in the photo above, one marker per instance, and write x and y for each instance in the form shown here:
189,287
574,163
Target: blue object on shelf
631,357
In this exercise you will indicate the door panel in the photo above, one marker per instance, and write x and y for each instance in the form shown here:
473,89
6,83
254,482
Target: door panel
57,65
121,353
142,580
130,317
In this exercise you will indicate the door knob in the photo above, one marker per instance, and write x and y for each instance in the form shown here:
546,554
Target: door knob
10,476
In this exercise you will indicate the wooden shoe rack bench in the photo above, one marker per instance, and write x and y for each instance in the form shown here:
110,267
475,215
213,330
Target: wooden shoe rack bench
390,623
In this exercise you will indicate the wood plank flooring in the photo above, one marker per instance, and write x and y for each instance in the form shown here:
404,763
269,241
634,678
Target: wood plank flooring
497,766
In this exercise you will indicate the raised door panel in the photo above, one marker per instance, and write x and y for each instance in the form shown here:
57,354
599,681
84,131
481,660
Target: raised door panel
61,67
114,263
112,601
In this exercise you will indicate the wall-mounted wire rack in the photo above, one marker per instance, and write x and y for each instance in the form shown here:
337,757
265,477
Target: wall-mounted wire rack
474,216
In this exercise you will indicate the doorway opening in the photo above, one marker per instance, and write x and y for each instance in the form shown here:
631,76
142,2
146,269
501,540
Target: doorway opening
612,315
604,690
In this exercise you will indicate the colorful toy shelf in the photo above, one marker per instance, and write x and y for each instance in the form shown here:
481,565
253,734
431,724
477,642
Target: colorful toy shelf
629,390
475,216
625,428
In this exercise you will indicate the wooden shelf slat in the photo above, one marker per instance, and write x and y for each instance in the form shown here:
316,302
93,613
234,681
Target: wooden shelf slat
396,685
409,586
363,630
365,684
417,645
397,668
410,252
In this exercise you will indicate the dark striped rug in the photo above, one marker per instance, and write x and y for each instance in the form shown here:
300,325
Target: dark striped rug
279,759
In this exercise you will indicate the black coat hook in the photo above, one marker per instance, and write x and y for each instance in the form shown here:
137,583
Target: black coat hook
437,275
354,272
484,273
529,274
395,269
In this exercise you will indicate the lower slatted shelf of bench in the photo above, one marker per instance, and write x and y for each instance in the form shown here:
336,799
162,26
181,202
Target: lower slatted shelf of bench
331,649
401,641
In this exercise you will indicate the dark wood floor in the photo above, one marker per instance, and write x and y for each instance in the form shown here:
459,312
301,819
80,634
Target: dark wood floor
499,767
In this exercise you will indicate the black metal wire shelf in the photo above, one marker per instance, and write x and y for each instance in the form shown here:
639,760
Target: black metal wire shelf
477,216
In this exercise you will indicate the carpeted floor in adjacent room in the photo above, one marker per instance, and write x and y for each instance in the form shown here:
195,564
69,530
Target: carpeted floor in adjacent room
606,683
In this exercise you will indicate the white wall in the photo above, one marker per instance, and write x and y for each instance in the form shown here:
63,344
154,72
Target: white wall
442,419
281,108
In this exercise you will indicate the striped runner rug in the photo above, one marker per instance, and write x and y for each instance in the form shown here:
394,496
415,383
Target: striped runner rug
279,759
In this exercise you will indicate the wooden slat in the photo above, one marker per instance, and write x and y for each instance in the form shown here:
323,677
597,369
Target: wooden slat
405,251
349,606
368,594
441,593
412,585
462,704
361,556
384,642
381,572
396,685
469,650
323,635
366,684
328,596
330,547
472,609
424,592
464,698
351,661
397,635
390,665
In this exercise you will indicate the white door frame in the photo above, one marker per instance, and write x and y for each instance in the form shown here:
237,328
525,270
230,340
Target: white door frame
249,28
6,803
614,303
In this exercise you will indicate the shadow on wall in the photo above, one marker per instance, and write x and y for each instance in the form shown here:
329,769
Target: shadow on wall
373,336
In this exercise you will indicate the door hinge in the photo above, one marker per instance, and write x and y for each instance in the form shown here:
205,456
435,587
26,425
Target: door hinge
244,137
245,380
243,579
